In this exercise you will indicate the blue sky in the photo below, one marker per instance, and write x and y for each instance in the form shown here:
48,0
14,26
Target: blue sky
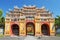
51,5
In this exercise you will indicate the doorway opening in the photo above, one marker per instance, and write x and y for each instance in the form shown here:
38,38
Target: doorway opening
30,28
45,29
15,29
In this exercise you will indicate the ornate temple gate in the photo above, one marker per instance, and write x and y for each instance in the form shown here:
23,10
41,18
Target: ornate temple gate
30,20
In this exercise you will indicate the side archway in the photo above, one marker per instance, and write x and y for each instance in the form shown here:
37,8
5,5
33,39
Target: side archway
45,29
15,29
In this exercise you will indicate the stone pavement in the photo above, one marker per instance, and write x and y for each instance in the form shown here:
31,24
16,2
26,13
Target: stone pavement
31,38
12,38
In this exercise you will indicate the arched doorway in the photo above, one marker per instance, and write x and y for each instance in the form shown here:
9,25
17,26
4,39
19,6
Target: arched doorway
45,29
30,28
15,29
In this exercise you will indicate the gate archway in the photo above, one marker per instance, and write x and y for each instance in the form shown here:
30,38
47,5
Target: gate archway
15,29
30,28
45,29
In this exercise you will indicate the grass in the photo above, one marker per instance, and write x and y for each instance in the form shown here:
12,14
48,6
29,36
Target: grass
1,35
58,35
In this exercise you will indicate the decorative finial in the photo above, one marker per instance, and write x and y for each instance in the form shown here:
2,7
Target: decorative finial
29,5
43,7
25,6
16,7
34,6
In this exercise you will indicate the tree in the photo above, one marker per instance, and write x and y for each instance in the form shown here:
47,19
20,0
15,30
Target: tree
1,12
57,22
2,20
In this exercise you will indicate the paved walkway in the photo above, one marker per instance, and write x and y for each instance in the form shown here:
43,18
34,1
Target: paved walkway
31,38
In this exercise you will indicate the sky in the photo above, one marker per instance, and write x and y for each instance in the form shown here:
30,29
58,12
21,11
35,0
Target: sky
51,5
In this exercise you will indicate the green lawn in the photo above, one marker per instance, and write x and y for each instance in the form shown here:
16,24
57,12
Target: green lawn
58,35
1,35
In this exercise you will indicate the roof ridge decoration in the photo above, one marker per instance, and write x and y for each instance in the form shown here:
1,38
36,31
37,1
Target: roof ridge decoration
29,6
16,7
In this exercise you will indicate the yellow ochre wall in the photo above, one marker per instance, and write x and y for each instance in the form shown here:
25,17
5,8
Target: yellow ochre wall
22,28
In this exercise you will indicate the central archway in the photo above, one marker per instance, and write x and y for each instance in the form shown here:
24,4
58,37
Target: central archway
15,29
45,29
30,28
